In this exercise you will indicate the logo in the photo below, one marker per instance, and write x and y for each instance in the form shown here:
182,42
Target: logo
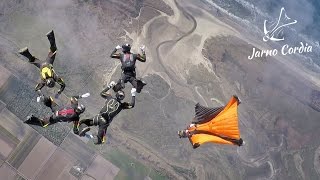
275,32
112,106
277,28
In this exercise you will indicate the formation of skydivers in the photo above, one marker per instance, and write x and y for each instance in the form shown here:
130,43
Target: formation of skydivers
217,125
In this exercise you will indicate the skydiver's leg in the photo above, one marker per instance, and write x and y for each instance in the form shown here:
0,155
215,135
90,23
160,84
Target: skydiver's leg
51,56
32,59
87,122
52,41
118,86
103,125
84,125
137,83
121,83
134,82
48,101
53,47
40,122
98,120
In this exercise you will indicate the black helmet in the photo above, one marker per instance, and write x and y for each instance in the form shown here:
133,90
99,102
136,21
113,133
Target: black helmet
80,109
50,82
120,95
126,48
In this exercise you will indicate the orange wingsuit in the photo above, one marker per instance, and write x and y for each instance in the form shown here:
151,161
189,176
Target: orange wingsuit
217,125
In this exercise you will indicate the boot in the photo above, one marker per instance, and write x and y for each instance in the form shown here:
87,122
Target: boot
25,52
34,121
140,85
97,140
196,145
52,41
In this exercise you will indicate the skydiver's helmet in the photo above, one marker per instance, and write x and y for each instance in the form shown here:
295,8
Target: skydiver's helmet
120,95
126,48
182,134
50,82
80,109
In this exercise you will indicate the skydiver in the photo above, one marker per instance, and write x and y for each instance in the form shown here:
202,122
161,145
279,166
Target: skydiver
128,66
217,125
47,73
68,113
112,107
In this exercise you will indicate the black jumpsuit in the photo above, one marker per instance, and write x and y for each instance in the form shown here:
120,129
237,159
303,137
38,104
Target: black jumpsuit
111,109
46,67
128,66
65,113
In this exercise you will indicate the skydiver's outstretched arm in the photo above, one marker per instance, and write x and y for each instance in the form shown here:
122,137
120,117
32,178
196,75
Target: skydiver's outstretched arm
114,54
39,86
142,57
60,81
104,93
48,101
130,105
74,99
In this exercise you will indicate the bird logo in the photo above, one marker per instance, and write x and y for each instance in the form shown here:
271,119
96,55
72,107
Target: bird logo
275,32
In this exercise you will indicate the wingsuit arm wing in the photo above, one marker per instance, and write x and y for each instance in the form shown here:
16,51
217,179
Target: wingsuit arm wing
205,114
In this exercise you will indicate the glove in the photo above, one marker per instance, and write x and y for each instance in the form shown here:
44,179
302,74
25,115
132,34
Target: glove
133,92
112,83
39,98
142,48
118,47
85,95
